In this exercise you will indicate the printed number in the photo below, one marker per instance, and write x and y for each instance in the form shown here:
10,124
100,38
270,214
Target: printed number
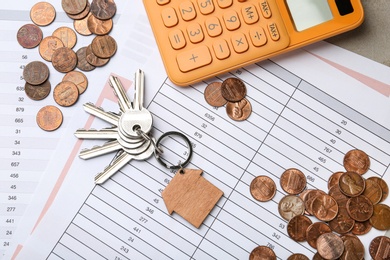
281,225
270,246
344,122
210,117
24,57
277,236
151,211
310,178
124,249
143,219
199,135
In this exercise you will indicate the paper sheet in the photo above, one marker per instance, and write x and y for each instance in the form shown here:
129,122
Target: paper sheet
308,110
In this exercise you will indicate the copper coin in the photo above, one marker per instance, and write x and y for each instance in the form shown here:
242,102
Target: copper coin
361,228
297,226
64,59
38,92
335,192
342,223
308,200
353,248
290,206
314,231
330,246
48,45
49,118
93,59
78,78
66,93
66,35
297,257
42,13
81,26
380,218
379,248
233,89
240,110
103,9
99,27
213,95
29,36
262,252
373,191
293,181
73,6
263,188
36,72
334,179
82,62
356,161
104,46
317,256
81,15
325,207
383,185
351,184
360,208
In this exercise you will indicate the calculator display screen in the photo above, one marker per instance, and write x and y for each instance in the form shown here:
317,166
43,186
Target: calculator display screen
308,13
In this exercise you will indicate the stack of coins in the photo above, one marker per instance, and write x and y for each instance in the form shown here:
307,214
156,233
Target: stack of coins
94,18
351,207
232,92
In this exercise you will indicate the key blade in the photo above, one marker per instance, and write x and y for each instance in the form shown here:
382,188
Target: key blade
120,92
103,134
100,113
100,150
138,101
119,162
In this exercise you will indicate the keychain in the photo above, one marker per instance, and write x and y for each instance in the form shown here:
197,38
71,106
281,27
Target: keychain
188,193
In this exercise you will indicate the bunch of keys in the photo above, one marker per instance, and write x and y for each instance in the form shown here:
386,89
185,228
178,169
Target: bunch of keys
188,193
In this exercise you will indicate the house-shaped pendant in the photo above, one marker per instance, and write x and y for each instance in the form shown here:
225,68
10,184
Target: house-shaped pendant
191,196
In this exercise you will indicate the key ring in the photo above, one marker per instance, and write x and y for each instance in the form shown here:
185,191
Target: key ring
158,154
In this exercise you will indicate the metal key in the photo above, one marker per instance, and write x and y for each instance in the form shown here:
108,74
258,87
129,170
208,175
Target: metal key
99,112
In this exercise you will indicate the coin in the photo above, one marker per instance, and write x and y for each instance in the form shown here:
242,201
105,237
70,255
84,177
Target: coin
353,248
38,92
297,226
213,95
297,257
36,72
314,231
335,192
78,78
81,15
342,223
66,93
263,188
308,200
99,27
351,184
379,248
48,45
356,161
239,110
82,62
290,206
81,26
262,252
373,191
94,60
233,89
383,185
360,208
334,179
317,257
293,181
361,228
73,6
104,46
64,59
103,9
29,36
325,207
42,13
49,118
330,246
67,36
380,218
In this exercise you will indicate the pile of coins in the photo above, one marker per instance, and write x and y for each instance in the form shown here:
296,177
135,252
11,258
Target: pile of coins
232,92
94,18
351,207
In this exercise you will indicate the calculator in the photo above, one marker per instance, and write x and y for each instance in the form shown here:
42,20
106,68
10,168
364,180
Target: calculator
199,39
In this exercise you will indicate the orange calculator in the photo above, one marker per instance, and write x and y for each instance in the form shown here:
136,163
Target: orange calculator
199,39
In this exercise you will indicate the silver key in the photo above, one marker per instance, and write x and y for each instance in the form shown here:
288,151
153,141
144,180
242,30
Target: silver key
120,161
106,133
123,100
95,151
100,113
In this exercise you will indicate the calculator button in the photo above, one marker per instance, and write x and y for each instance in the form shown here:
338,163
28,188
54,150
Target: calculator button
169,17
195,33
265,10
232,22
206,6
257,36
163,2
221,49
177,40
193,59
239,42
273,31
187,11
224,3
250,14
213,26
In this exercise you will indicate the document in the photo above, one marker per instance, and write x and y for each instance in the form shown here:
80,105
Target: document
309,108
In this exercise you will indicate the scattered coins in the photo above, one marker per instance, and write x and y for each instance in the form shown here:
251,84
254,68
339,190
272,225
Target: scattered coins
49,118
29,36
42,13
213,95
293,181
78,78
262,252
48,46
263,188
38,92
66,93
36,72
